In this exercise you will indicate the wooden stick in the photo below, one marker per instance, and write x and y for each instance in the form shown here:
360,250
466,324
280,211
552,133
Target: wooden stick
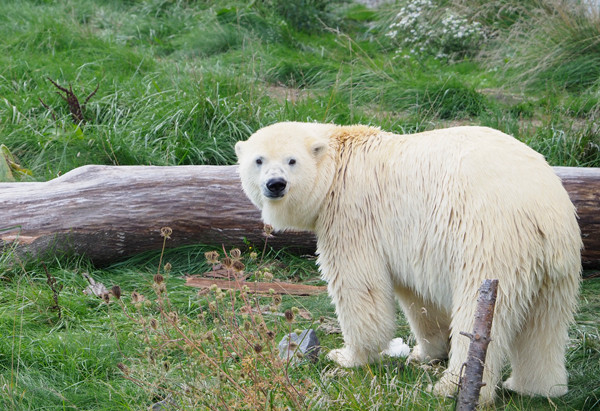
471,382
279,287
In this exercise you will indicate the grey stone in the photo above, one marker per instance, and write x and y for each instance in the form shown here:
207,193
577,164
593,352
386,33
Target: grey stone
164,405
306,343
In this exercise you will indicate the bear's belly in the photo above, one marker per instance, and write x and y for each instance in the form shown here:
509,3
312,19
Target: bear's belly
434,287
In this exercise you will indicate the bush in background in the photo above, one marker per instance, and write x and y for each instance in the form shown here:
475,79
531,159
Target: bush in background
423,27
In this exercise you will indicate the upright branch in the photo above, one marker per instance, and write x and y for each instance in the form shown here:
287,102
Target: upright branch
75,107
471,381
56,289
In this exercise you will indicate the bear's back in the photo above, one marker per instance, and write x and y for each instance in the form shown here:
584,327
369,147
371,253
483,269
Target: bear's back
438,193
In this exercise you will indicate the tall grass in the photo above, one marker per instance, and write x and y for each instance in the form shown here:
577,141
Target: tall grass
180,83
577,146
557,43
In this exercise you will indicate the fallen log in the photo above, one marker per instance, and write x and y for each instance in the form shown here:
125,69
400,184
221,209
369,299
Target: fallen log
109,213
583,186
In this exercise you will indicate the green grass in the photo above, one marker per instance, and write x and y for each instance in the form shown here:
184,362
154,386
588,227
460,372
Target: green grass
562,48
180,82
71,362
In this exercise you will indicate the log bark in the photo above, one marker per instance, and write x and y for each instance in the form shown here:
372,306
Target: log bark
583,186
471,381
109,213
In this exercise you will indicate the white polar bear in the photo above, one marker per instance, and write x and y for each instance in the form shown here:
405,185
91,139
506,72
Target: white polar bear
426,218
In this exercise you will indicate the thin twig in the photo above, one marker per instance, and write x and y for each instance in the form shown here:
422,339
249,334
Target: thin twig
55,291
90,96
48,108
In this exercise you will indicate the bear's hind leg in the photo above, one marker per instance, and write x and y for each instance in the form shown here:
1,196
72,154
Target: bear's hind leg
429,324
538,354
502,335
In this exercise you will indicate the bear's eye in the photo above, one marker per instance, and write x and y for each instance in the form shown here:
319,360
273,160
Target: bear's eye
292,161
259,161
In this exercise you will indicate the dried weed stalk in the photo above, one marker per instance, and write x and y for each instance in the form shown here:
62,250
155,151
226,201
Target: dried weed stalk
56,289
226,357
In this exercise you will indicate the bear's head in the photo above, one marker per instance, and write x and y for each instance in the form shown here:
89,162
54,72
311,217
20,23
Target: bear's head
286,170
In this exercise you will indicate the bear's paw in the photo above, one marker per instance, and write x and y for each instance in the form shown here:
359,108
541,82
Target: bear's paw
417,355
446,387
555,390
346,357
510,384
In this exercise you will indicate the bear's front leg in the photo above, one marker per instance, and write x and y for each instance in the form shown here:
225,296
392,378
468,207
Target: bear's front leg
429,323
365,309
347,357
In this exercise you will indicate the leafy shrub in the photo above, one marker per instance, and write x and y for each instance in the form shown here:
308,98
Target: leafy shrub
422,27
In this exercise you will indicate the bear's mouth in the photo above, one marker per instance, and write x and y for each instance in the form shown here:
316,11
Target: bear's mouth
274,196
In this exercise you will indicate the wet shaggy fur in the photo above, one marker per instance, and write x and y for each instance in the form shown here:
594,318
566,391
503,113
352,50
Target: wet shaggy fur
424,219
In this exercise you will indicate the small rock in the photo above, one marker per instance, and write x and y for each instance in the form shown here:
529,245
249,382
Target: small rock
397,348
306,343
165,405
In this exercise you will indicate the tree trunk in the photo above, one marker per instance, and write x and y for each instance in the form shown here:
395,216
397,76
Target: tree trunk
109,213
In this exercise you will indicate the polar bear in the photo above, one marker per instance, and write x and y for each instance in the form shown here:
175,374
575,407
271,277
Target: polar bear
426,218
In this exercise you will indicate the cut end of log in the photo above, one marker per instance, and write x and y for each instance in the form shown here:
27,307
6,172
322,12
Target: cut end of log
17,239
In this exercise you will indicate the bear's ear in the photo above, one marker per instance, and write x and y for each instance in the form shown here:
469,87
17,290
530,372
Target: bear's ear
238,149
318,149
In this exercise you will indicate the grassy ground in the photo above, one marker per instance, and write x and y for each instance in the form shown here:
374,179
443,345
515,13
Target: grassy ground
213,353
178,82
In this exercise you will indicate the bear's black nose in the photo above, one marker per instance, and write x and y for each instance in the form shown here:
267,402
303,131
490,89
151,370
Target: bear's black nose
276,187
